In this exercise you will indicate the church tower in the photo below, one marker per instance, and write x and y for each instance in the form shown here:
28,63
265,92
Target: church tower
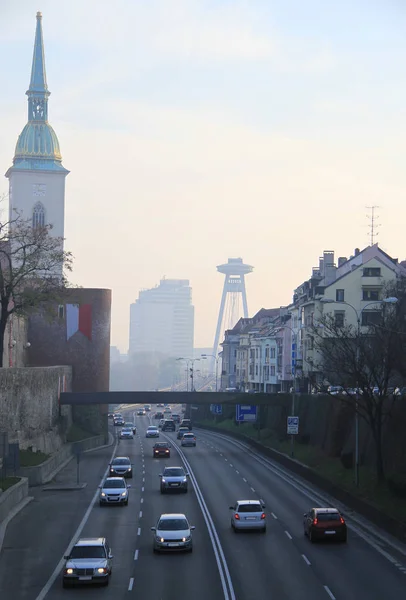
37,177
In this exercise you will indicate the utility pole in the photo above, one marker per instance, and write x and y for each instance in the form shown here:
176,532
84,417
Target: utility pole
373,226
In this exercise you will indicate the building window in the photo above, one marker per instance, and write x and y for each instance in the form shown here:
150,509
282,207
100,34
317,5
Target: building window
272,352
339,295
38,216
339,318
252,353
235,353
256,369
251,369
256,352
61,311
267,352
371,317
368,294
235,368
371,272
272,370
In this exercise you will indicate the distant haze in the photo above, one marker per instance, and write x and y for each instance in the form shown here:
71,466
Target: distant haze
200,130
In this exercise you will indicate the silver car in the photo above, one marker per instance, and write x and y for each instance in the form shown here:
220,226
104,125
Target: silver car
90,561
174,479
114,491
121,466
188,439
248,514
173,532
126,434
152,431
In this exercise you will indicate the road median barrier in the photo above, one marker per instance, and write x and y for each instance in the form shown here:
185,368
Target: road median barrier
12,496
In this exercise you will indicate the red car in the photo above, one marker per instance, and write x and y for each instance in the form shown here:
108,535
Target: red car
161,449
324,523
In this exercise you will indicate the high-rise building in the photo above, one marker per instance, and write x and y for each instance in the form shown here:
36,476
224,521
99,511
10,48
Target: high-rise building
37,177
162,320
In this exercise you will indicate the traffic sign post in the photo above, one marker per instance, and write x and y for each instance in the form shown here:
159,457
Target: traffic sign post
245,413
292,430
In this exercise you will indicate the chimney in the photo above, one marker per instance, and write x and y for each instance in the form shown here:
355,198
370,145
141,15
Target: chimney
356,251
342,260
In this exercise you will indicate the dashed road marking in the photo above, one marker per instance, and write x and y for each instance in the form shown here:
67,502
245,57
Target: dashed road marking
142,500
230,465
139,531
130,585
237,472
140,514
288,534
329,592
307,561
136,554
244,479
142,489
252,489
274,516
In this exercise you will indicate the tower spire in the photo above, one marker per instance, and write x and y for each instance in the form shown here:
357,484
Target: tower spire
38,93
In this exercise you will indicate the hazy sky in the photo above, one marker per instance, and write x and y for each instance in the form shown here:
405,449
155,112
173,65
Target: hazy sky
197,130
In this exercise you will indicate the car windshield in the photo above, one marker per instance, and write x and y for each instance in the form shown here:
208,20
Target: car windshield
152,428
174,472
246,508
120,461
172,524
88,552
114,484
163,445
328,516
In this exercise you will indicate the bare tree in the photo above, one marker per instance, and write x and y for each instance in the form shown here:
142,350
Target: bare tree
33,267
369,362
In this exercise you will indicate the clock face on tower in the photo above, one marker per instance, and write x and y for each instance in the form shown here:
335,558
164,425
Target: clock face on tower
39,189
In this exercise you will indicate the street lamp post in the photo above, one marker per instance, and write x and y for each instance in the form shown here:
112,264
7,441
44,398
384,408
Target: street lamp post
358,314
205,356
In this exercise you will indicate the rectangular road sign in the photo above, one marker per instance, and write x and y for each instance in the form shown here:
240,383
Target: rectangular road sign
245,412
218,409
293,425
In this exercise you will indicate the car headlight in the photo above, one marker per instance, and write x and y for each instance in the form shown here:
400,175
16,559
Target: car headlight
103,494
163,480
124,494
184,480
159,538
69,571
101,570
186,539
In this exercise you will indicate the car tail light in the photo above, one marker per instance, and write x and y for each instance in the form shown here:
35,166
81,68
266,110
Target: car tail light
263,516
315,521
342,521
237,516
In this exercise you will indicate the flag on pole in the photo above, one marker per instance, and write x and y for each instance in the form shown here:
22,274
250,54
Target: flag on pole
79,318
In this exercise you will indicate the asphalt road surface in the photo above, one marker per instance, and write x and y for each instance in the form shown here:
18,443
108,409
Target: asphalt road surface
278,565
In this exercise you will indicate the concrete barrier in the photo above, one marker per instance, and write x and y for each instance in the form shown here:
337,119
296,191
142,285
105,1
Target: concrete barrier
47,470
13,496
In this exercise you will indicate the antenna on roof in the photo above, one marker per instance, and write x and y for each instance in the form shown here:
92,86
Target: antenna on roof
373,225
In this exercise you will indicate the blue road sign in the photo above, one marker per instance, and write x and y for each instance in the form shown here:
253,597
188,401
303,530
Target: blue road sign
245,412
293,425
216,409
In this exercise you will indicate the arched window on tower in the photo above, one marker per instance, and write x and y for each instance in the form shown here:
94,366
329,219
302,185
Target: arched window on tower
38,215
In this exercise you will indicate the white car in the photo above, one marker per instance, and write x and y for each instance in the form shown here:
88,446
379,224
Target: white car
126,434
173,532
248,514
114,491
152,432
188,439
161,422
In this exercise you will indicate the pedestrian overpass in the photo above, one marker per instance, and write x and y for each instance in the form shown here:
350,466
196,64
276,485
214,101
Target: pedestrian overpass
92,398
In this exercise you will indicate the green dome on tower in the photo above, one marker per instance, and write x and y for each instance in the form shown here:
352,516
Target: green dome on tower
37,146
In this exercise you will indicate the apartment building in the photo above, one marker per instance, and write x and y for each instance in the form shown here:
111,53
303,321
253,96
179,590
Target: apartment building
162,320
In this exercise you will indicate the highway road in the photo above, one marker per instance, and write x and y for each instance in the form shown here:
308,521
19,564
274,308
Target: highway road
280,565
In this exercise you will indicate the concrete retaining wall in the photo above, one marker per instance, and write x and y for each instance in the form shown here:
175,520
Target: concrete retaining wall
47,470
29,406
11,497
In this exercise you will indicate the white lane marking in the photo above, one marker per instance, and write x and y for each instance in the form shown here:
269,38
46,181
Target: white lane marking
329,592
139,531
274,516
288,534
136,554
225,577
226,459
140,514
142,500
221,454
142,489
252,489
307,561
58,568
237,472
244,479
320,498
130,585
230,464
143,480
